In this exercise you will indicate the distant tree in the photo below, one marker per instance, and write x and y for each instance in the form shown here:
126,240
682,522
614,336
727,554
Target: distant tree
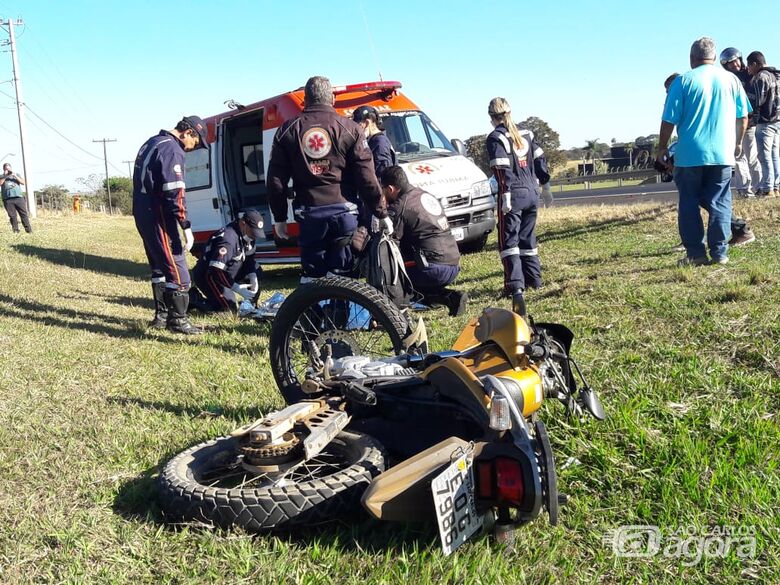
548,139
95,192
475,150
590,152
52,196
630,150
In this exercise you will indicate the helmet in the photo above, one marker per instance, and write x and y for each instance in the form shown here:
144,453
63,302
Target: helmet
364,112
729,54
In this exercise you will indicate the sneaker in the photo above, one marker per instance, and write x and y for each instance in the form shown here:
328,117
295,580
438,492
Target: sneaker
762,193
679,248
689,261
724,260
742,194
742,239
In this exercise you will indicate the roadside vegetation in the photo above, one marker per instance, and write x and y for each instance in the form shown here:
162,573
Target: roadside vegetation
686,361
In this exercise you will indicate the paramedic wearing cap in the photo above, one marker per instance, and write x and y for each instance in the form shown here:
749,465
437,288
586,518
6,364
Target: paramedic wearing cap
317,150
381,150
517,162
160,210
229,258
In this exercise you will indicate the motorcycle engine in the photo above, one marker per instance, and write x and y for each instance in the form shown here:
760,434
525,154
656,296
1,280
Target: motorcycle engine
358,366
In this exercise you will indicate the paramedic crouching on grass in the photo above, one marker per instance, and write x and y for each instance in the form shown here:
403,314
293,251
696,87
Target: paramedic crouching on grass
428,248
229,259
317,150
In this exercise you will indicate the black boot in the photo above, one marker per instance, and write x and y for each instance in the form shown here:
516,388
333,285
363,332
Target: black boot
177,301
198,302
456,302
160,310
518,303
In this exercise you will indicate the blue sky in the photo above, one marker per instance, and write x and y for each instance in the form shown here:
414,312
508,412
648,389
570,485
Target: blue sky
123,70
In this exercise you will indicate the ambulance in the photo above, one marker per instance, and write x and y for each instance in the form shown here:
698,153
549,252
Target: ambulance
230,175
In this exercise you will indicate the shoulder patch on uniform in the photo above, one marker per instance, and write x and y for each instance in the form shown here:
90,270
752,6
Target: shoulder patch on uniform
177,168
430,204
222,251
316,142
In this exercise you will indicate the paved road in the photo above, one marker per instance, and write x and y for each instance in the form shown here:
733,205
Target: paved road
665,192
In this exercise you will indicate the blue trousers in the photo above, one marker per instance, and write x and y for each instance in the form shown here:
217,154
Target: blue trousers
163,247
708,187
433,278
324,239
517,245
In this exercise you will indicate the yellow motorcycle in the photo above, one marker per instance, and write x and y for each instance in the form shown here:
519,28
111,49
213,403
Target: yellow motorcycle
450,437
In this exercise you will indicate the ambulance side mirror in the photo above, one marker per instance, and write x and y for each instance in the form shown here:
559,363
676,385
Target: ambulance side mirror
459,146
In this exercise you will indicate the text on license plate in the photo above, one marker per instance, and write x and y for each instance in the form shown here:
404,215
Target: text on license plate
456,512
458,234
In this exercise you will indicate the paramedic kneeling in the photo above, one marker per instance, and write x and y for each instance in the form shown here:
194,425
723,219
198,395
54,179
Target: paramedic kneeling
229,258
429,250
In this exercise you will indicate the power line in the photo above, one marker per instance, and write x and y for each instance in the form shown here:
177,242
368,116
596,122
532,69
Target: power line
61,135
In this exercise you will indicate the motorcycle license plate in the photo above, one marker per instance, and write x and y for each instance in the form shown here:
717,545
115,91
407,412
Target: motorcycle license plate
458,234
456,511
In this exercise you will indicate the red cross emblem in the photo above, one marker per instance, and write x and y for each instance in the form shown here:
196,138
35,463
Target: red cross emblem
423,169
316,142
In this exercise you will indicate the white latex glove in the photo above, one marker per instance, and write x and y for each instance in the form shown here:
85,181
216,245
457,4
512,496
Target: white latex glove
240,290
386,225
189,239
254,285
281,230
506,202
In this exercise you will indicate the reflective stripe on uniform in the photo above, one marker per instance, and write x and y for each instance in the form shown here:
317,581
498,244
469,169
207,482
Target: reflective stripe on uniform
158,279
538,152
146,162
306,279
505,142
499,162
173,185
510,252
215,264
531,252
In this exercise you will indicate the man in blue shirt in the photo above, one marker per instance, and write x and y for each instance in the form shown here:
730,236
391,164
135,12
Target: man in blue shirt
13,199
710,110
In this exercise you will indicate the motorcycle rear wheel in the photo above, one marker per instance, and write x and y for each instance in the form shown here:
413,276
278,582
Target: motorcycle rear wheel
208,483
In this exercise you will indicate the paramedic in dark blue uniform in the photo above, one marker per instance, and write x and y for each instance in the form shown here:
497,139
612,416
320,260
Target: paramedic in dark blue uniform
429,250
518,163
229,259
318,150
160,211
381,150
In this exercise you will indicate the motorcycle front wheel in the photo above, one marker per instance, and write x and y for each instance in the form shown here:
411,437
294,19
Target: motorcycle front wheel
350,316
210,483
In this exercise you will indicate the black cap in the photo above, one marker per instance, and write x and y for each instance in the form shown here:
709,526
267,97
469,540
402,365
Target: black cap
197,124
364,112
254,220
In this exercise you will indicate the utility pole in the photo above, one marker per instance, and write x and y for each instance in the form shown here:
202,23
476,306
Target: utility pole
20,111
129,168
105,160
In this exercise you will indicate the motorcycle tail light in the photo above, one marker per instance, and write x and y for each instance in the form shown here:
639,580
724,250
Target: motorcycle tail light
500,480
499,414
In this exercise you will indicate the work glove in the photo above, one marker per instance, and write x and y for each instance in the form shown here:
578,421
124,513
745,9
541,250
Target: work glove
506,202
280,228
243,292
189,239
254,285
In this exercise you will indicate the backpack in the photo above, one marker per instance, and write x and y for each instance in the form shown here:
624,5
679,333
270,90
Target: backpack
383,267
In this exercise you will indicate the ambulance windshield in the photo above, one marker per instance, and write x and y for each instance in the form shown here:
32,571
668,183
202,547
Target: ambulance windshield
413,136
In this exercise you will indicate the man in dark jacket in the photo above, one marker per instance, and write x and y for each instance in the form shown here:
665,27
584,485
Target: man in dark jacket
429,250
318,150
764,95
229,259
160,211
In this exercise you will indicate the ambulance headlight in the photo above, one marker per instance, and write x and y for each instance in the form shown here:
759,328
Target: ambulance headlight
481,189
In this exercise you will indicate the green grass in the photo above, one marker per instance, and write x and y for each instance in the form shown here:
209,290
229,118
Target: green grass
597,185
686,362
